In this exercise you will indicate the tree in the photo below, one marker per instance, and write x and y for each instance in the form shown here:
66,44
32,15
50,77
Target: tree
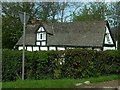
11,25
91,11
47,11
114,19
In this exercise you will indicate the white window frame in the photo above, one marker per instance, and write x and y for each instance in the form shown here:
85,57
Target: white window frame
41,36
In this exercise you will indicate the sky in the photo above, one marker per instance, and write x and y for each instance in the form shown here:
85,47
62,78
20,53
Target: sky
60,0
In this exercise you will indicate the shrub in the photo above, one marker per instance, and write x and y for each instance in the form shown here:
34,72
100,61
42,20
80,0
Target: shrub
76,63
11,65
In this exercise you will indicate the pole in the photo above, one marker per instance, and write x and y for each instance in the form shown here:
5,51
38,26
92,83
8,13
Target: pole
23,60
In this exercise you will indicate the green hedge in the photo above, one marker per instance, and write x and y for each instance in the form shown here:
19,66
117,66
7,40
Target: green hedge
76,63
88,63
36,65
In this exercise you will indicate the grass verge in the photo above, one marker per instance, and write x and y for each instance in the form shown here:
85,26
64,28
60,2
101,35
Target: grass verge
58,83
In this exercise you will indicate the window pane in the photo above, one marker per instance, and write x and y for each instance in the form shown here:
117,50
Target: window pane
41,36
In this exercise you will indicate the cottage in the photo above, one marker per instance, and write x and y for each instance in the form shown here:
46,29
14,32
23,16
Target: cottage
95,35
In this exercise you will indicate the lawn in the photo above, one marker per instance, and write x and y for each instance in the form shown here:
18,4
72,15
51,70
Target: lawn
58,83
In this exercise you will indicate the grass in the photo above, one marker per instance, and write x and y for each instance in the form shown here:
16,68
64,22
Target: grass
58,83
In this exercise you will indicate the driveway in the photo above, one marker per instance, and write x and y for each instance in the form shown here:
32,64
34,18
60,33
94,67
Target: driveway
109,84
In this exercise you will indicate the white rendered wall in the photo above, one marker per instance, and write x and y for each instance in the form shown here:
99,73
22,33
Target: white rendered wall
29,48
52,48
108,48
70,48
41,29
97,49
108,38
44,48
37,43
35,48
60,48
20,47
43,43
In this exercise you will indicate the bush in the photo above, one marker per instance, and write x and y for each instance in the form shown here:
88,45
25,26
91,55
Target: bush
74,63
11,65
36,65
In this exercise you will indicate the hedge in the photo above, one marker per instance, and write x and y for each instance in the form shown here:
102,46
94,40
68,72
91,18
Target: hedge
73,63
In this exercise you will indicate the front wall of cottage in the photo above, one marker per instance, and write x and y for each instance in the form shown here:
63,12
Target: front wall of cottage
109,48
21,48
35,48
60,48
46,48
52,48
29,48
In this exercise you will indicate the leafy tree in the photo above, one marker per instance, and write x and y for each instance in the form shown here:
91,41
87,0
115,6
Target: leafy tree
114,19
11,25
91,11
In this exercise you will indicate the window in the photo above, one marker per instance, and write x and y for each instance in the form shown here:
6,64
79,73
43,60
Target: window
41,35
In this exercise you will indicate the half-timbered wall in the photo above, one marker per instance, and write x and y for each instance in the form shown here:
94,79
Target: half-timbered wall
52,48
44,48
29,48
35,48
109,48
20,48
60,48
41,37
108,40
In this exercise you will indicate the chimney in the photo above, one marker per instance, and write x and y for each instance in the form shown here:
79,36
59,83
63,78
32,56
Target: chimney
33,21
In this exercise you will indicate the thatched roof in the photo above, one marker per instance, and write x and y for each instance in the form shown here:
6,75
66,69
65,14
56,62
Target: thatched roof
84,33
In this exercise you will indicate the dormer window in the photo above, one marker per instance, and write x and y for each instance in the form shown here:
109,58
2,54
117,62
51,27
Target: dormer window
41,37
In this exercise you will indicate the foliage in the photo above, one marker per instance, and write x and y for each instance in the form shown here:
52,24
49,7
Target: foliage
11,25
35,64
76,63
91,11
11,63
